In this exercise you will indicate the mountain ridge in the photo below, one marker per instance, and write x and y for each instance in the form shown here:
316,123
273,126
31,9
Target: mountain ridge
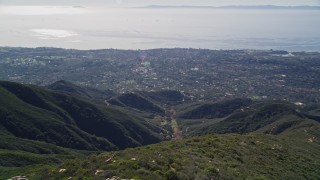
270,7
46,111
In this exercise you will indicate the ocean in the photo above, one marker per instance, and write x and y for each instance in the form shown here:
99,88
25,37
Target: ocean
148,28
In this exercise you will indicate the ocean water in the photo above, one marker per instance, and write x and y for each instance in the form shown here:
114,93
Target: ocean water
146,28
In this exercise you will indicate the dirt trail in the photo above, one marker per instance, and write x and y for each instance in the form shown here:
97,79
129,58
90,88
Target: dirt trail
177,134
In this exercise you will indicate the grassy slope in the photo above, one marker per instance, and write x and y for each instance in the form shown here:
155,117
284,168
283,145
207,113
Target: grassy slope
20,155
253,156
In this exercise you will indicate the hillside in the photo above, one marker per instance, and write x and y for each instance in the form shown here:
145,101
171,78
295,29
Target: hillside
250,120
151,102
33,113
241,116
136,101
43,131
214,110
166,97
76,90
254,156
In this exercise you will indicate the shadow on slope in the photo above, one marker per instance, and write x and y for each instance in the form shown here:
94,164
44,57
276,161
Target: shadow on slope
87,92
34,113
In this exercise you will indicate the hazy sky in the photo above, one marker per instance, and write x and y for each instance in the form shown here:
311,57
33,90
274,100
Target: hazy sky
162,2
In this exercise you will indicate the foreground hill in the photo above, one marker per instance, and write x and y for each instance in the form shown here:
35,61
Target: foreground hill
36,114
254,156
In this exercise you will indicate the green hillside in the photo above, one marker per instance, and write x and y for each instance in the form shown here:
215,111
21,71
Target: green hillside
165,97
34,113
253,156
47,134
214,110
87,92
240,116
254,118
136,101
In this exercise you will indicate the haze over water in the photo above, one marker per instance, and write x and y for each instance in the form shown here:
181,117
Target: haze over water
146,28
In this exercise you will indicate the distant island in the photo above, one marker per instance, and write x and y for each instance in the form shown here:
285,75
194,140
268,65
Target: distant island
271,7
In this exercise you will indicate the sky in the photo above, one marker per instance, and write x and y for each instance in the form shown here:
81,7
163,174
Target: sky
163,2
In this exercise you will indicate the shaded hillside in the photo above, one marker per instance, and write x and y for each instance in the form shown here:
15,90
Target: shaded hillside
136,101
70,88
214,110
36,114
209,157
166,97
152,102
312,111
276,116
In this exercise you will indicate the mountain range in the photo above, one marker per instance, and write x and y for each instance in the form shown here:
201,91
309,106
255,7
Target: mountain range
260,7
56,131
35,113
